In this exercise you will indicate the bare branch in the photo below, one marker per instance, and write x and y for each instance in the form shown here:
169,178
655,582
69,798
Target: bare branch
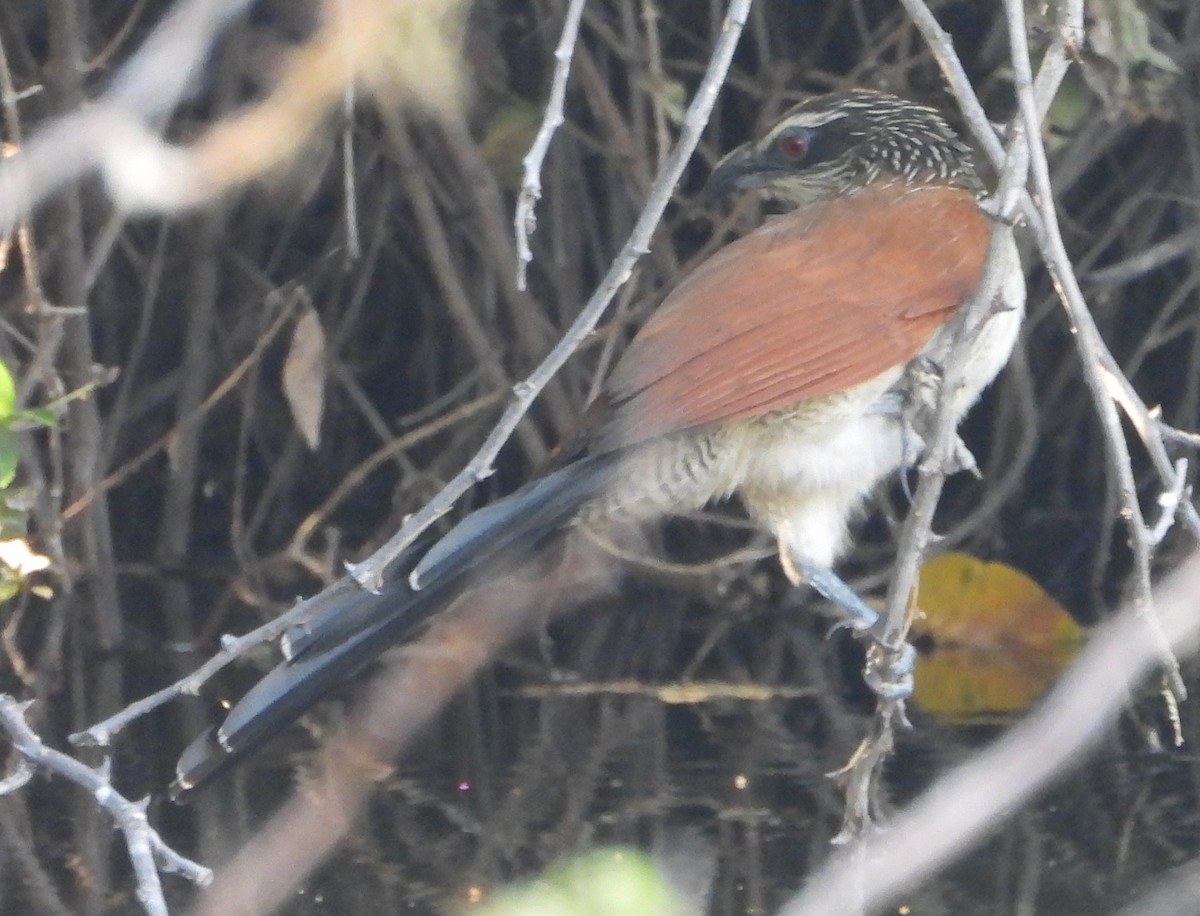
232,648
145,846
525,220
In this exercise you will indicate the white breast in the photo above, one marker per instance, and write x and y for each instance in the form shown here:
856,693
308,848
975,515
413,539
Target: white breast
813,478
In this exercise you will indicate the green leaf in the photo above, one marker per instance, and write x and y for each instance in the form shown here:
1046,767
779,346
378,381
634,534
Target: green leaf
605,882
38,416
13,523
10,454
8,392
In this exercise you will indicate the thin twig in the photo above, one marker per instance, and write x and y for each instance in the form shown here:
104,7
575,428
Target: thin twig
232,648
889,660
525,220
349,186
19,776
658,79
396,446
1168,503
480,339
1151,430
1151,259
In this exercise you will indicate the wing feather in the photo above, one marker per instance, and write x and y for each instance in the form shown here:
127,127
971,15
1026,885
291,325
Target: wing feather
812,302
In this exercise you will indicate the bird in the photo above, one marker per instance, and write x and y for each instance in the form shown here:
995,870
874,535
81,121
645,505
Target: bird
778,371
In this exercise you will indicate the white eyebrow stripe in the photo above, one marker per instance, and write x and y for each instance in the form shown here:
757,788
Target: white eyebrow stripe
811,119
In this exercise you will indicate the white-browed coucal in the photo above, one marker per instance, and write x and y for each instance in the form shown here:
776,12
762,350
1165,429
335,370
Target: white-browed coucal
778,371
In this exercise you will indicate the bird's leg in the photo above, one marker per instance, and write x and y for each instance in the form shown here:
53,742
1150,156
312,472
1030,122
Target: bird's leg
799,570
889,669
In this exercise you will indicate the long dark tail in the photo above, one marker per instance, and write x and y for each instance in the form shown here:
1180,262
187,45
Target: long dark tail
350,627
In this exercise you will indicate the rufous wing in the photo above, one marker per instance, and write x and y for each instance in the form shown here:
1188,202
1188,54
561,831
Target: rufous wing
813,302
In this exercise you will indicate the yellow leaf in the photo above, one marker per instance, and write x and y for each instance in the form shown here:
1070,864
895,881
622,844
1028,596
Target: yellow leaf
989,640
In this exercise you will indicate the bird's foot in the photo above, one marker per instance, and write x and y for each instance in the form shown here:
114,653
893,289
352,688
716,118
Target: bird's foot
889,670
889,667
913,403
918,403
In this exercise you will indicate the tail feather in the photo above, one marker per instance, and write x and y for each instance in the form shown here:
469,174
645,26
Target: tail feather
507,527
541,506
350,627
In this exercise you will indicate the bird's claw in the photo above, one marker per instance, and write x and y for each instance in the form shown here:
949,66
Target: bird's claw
961,459
855,625
889,670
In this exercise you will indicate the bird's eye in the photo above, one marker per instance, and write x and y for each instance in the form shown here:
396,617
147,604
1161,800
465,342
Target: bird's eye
793,145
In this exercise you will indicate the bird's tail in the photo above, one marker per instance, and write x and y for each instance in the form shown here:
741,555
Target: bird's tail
349,627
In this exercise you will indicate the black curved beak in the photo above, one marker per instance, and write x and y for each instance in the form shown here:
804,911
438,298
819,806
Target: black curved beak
740,170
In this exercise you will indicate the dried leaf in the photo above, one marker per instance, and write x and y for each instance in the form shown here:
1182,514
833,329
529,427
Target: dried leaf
304,376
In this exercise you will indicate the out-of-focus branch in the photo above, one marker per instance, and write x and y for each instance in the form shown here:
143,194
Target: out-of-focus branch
1173,893
395,47
164,68
149,86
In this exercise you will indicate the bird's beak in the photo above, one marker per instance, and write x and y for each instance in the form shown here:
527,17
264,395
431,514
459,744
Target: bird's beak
740,170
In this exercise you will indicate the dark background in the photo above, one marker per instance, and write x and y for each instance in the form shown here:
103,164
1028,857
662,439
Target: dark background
225,530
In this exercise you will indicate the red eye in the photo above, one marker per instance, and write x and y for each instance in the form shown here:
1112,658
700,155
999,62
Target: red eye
794,146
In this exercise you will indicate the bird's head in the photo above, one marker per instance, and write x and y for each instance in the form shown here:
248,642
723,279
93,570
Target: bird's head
834,145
